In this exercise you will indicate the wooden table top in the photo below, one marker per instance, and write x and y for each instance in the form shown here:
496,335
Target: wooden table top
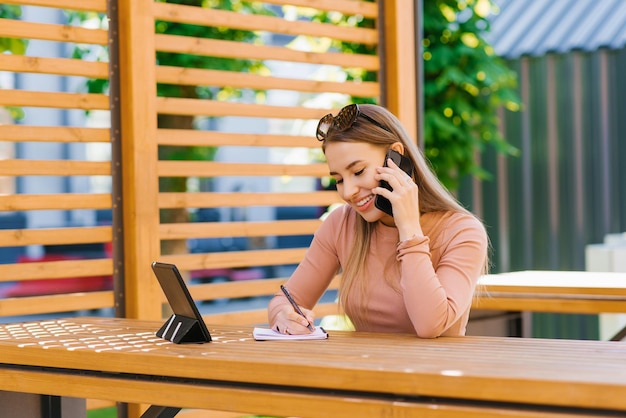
552,291
586,374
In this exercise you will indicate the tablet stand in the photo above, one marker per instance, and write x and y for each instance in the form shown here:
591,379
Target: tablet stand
160,412
181,329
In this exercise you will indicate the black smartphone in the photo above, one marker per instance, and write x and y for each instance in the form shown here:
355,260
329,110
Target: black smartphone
406,165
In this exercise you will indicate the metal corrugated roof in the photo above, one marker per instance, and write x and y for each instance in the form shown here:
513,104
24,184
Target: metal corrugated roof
536,27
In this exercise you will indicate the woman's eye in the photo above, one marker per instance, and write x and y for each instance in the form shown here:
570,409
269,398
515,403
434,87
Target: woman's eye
338,181
358,173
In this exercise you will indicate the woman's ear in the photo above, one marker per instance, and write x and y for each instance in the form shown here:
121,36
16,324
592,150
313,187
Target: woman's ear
398,146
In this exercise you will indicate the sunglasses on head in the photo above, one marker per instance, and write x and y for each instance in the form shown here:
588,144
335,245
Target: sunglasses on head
343,121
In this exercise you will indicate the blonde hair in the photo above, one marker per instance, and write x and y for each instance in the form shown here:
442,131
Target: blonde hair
433,196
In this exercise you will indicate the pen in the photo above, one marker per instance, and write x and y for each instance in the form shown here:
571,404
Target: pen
295,305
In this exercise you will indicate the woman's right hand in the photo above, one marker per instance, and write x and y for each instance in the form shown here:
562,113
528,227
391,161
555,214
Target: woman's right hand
288,321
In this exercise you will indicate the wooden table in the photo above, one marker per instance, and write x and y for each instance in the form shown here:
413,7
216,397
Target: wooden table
349,375
570,292
553,291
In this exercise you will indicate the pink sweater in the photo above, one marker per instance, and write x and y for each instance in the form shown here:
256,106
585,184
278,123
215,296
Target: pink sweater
436,277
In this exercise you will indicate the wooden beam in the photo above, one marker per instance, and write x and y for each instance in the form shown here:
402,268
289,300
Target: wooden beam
399,62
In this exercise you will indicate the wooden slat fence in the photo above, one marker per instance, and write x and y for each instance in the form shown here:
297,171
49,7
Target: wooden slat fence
137,108
38,275
263,256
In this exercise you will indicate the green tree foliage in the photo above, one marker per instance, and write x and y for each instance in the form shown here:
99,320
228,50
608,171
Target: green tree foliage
464,85
12,46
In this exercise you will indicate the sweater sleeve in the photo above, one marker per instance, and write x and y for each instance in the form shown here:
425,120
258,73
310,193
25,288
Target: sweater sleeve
313,275
437,296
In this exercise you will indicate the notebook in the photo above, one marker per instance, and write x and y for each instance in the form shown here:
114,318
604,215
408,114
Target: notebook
186,324
265,334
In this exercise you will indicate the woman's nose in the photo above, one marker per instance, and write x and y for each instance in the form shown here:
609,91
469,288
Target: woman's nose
349,190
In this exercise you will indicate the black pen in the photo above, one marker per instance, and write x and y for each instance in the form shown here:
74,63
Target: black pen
295,306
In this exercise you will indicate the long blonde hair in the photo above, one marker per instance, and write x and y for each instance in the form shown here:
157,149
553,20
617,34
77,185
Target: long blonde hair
433,196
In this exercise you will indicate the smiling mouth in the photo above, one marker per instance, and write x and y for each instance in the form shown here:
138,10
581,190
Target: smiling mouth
364,201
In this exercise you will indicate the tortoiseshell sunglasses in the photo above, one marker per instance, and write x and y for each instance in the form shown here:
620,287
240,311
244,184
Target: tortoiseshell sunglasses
343,121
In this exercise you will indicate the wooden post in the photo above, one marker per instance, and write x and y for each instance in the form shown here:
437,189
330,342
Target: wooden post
399,66
139,157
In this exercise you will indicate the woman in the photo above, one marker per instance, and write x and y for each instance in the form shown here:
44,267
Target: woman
413,272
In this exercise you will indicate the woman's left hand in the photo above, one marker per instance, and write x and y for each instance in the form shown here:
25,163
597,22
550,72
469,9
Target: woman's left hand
404,199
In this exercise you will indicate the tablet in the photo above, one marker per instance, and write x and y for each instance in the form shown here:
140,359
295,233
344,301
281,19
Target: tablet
186,323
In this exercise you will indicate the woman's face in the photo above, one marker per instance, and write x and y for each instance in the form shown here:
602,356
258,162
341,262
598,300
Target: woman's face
353,166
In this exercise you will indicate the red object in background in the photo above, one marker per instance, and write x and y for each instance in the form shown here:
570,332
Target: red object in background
41,287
